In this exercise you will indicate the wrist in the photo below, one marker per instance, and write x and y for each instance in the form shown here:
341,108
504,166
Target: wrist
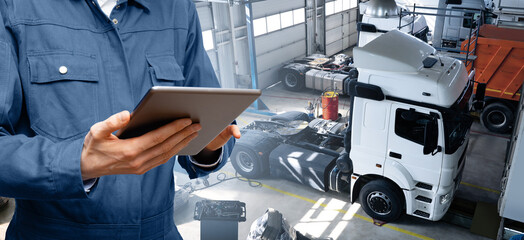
207,156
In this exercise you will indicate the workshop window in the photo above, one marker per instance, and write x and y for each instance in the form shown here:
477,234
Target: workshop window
353,3
411,125
338,6
259,26
278,21
330,8
273,23
207,37
346,4
299,16
286,19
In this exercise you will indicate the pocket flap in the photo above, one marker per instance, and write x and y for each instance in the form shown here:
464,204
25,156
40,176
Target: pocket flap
165,67
62,66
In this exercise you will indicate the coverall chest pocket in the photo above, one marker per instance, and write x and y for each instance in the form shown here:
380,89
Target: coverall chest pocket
62,101
165,71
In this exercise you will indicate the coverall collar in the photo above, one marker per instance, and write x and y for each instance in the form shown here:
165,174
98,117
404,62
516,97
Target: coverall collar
143,3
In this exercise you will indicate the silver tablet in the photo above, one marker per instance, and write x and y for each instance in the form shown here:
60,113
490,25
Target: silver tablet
213,108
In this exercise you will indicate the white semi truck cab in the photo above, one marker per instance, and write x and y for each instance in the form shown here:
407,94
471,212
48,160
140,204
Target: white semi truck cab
409,128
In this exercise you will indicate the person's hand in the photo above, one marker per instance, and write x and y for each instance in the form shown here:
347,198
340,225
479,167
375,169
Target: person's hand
223,137
208,154
105,154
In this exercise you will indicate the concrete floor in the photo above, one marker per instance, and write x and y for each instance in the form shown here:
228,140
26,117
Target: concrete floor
330,214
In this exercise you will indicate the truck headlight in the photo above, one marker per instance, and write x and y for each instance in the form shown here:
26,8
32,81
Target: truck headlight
446,198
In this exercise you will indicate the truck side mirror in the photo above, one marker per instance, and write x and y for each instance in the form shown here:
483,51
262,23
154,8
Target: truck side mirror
366,27
431,138
365,90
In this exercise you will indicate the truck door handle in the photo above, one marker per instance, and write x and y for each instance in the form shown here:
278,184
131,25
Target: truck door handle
395,155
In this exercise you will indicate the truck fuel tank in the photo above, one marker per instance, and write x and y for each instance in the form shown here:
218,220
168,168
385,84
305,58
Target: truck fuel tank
324,80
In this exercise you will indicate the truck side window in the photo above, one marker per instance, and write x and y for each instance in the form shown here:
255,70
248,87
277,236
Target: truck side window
467,23
411,125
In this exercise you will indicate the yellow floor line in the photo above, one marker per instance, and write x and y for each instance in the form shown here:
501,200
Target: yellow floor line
479,187
243,121
367,219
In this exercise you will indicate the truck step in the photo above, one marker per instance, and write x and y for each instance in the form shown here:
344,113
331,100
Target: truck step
424,186
423,199
421,213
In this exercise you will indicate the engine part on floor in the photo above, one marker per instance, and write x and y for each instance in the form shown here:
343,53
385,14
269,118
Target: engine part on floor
330,105
219,219
3,202
273,226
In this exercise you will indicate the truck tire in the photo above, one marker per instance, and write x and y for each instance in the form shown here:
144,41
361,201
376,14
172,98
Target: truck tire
247,163
497,117
292,80
381,200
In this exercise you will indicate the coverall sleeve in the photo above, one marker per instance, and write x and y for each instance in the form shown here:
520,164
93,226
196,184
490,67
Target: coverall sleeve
199,72
31,167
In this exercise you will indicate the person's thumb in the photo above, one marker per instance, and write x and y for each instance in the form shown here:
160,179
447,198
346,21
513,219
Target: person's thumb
113,123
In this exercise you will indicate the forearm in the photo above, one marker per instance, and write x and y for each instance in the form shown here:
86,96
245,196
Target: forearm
37,168
195,171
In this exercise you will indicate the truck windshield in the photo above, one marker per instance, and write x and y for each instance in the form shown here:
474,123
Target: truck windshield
456,126
457,121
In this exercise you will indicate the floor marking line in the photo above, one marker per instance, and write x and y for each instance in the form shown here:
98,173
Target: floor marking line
481,188
367,219
242,120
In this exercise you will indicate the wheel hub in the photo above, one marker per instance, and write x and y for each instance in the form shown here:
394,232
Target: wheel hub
379,203
291,80
245,161
496,118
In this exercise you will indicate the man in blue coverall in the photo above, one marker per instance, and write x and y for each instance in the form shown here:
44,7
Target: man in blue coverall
66,68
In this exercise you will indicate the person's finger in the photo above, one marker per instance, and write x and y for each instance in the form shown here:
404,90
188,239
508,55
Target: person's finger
235,131
111,124
160,134
165,147
163,158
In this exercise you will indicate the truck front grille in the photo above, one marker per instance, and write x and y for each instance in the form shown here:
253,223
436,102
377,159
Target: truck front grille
423,199
421,213
424,186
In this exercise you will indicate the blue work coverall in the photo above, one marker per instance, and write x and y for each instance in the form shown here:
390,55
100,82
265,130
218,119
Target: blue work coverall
64,65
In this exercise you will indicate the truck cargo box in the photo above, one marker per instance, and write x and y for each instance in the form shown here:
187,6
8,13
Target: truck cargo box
500,61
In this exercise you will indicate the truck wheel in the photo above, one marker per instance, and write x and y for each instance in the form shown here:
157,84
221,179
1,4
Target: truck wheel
292,80
247,163
497,117
381,200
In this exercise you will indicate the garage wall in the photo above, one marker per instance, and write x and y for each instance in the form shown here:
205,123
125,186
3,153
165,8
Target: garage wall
278,47
225,35
341,26
205,14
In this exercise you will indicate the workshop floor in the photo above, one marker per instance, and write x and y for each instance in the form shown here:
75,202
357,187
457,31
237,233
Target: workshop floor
329,214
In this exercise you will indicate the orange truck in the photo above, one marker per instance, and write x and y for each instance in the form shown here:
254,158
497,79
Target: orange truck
499,64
